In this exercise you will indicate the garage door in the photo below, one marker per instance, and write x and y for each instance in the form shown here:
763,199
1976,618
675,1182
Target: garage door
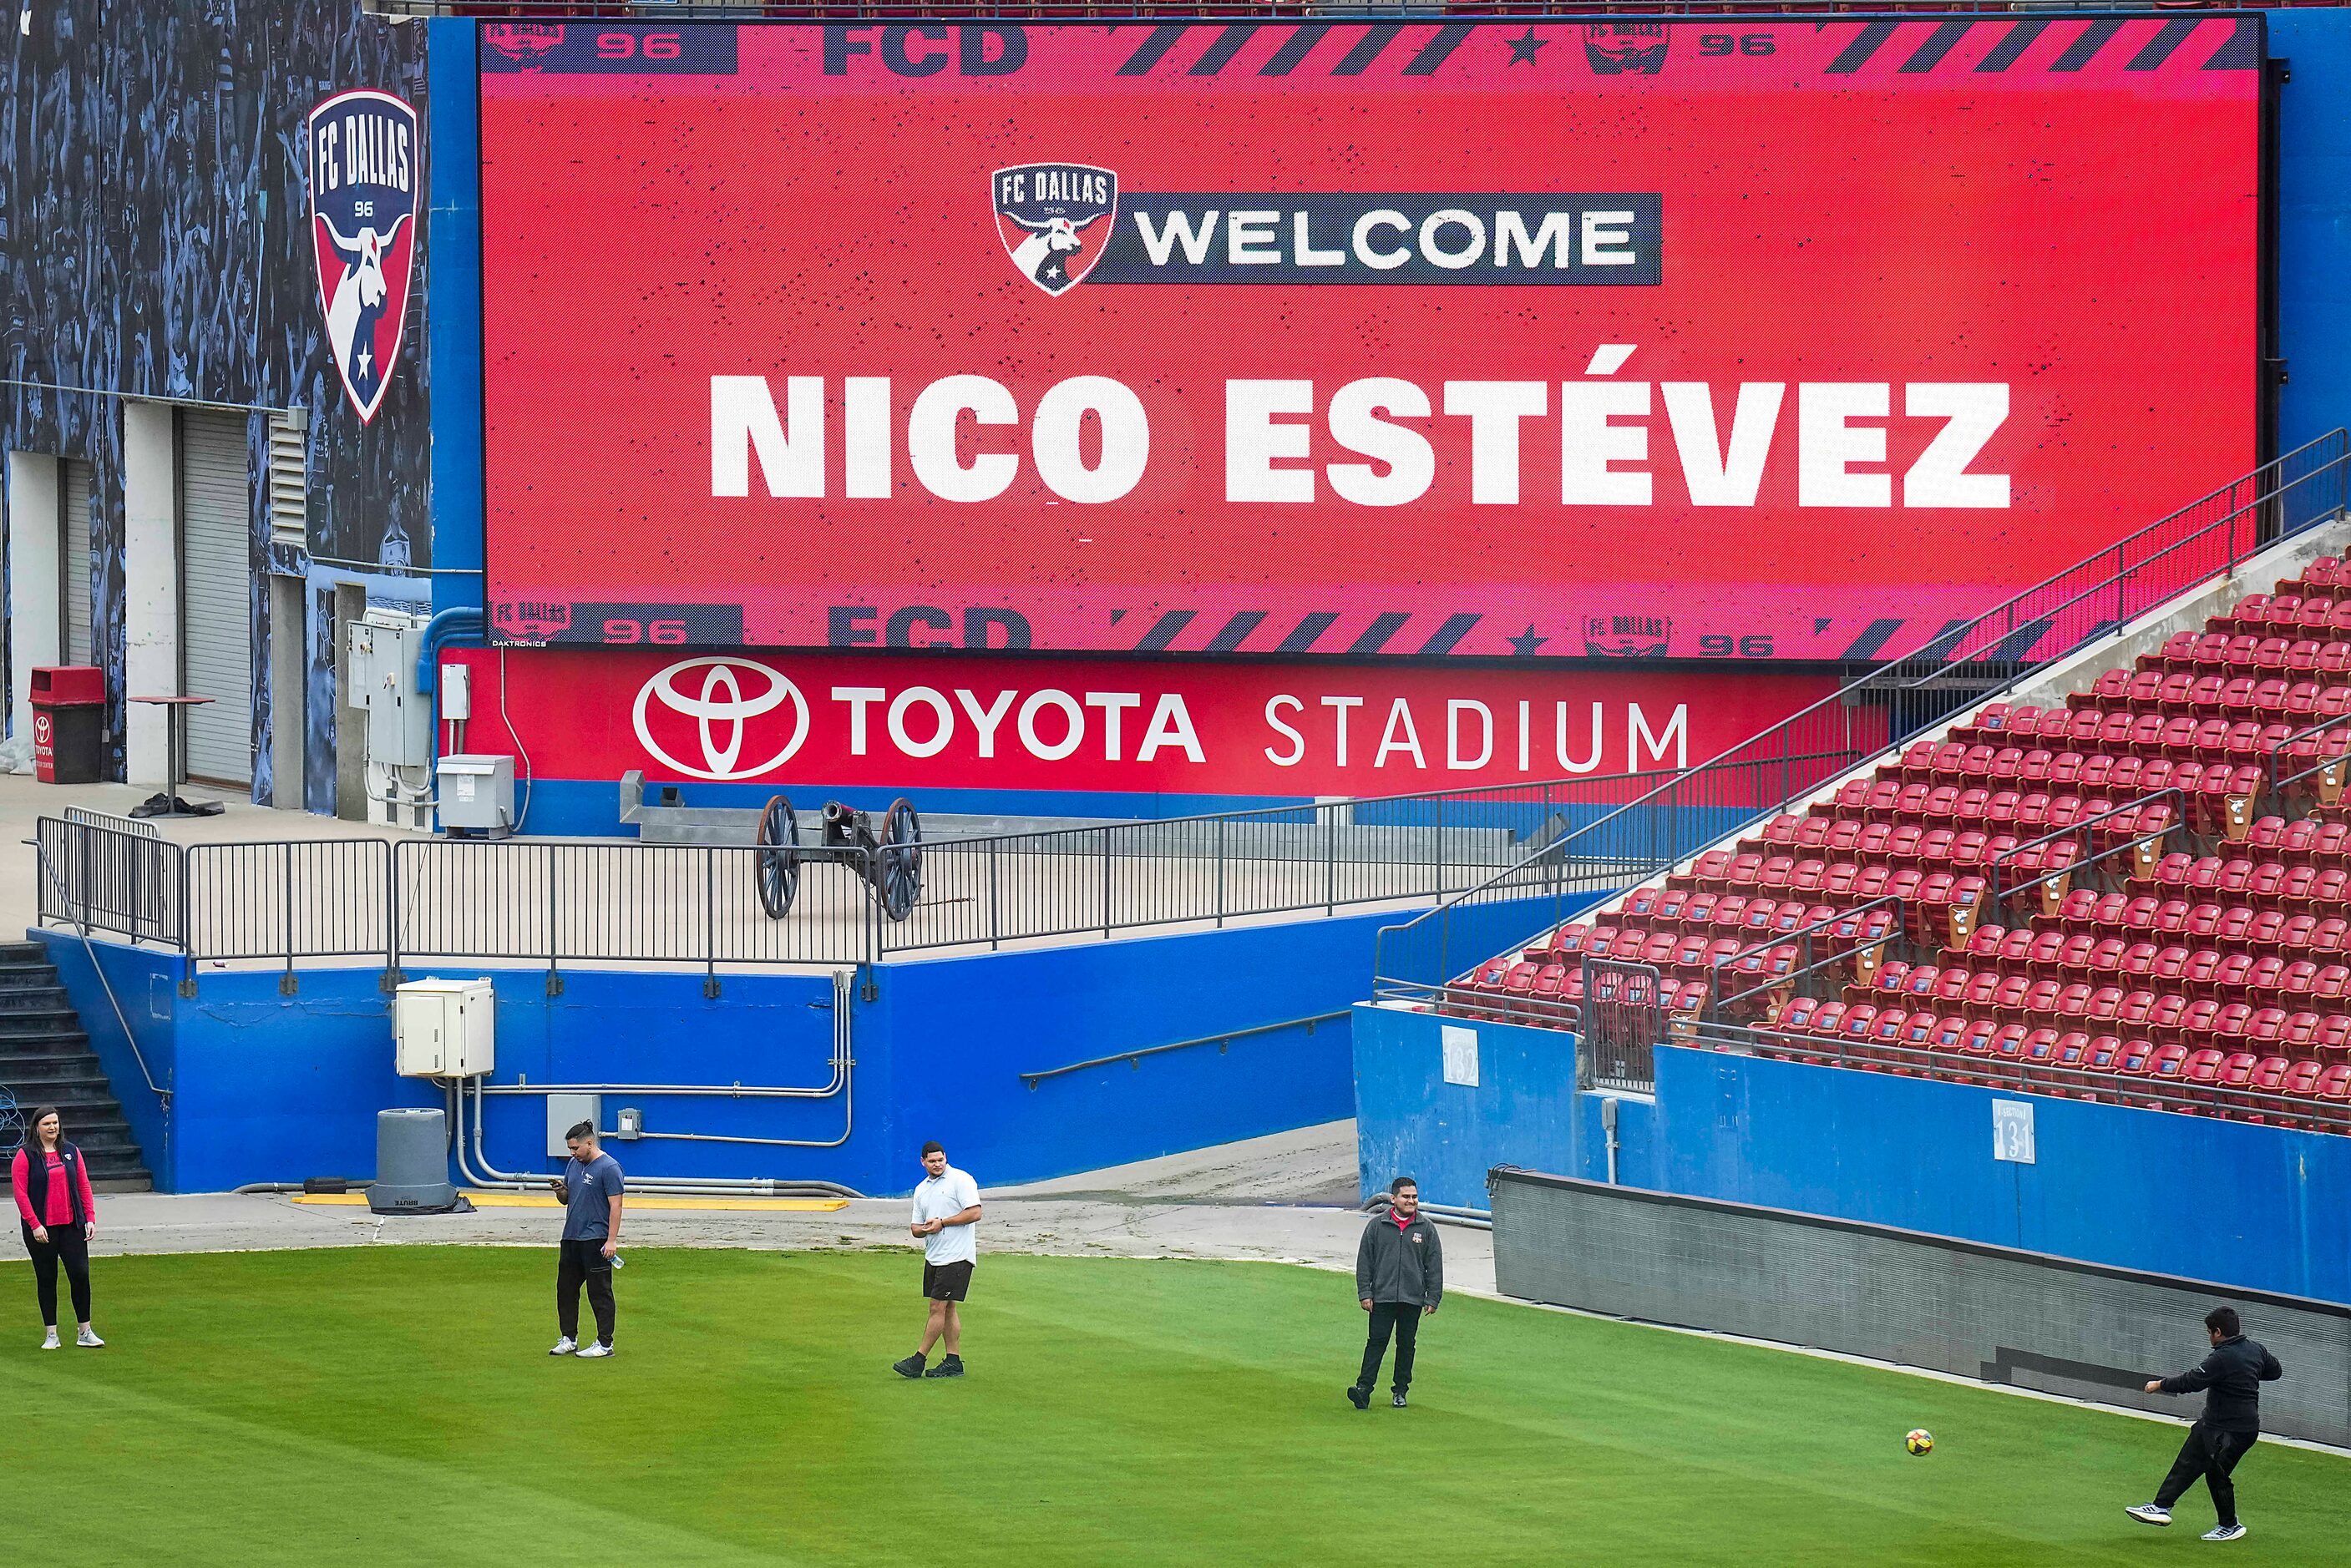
73,561
216,595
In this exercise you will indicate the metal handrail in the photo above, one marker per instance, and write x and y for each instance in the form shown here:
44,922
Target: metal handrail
1992,893
2124,847
2323,762
1944,649
293,900
1134,1058
1716,1001
1918,690
82,926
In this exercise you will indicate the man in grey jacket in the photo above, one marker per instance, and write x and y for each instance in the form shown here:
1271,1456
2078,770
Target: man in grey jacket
1399,1280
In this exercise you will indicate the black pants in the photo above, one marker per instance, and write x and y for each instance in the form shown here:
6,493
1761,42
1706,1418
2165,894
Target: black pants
584,1263
1401,1318
2212,1455
66,1244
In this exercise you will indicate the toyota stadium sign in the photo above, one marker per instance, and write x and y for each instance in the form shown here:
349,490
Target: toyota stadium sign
1232,728
1721,338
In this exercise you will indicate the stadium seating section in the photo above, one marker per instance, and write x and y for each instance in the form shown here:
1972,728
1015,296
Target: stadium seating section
2147,887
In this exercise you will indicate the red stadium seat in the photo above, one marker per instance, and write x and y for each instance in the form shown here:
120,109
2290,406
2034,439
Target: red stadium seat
1639,905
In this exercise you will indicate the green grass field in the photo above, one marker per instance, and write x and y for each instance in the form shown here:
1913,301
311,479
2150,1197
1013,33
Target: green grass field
394,1405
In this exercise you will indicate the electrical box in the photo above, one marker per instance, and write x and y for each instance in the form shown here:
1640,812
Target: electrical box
380,679
444,1028
565,1112
382,668
476,794
457,691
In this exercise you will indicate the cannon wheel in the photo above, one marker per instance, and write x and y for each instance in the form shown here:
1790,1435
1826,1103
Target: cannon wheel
779,861
899,860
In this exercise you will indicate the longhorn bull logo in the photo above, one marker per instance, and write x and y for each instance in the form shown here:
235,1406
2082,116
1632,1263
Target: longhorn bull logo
363,183
1055,219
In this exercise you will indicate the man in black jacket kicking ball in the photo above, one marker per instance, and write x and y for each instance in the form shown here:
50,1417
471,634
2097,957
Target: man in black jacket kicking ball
2231,1423
1399,1279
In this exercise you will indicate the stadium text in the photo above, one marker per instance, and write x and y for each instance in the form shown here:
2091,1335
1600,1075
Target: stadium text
1462,734
1722,441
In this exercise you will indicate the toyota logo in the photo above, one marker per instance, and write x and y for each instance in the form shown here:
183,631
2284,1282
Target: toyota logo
722,711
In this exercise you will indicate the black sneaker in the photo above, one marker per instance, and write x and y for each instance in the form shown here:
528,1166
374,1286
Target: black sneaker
910,1367
1397,1400
1358,1397
951,1367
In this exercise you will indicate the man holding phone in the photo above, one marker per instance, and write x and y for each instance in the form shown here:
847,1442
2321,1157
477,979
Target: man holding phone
946,1209
590,1190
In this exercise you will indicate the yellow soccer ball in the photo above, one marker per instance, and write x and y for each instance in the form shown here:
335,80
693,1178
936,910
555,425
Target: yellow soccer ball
1920,1441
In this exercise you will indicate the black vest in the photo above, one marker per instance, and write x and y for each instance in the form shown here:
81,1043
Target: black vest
39,1176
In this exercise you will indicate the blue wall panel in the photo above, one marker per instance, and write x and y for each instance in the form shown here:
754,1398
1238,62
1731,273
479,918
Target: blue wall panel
2193,1196
142,979
2313,247
1410,1122
271,1088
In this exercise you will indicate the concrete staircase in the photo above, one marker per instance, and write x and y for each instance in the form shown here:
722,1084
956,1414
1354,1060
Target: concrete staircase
46,1060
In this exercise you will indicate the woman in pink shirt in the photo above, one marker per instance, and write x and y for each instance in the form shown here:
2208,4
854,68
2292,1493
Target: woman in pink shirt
59,1212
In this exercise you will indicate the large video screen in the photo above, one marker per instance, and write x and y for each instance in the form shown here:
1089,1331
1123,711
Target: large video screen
1722,338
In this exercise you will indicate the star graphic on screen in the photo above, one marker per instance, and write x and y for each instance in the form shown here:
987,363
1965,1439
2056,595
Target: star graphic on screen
1523,49
365,359
1526,642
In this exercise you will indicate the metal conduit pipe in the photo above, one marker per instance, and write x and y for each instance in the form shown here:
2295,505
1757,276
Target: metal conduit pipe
1468,1218
489,1176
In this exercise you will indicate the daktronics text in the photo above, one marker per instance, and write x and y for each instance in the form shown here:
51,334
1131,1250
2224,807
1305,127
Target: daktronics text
1372,441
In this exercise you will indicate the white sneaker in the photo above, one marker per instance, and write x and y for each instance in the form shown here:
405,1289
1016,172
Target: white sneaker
594,1352
2225,1532
564,1346
2147,1513
51,1342
88,1337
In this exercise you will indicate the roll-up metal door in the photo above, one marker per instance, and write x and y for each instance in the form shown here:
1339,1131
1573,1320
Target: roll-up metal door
216,595
74,565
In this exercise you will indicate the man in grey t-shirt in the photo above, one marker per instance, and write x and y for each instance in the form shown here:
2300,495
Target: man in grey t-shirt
590,1191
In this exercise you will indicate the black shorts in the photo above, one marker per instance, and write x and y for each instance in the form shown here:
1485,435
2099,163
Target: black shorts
946,1281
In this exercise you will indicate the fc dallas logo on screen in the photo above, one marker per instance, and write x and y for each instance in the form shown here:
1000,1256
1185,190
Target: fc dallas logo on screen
1054,220
363,227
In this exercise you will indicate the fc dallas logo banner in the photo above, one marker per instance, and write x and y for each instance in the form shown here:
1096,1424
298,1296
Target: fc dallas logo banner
1047,216
363,227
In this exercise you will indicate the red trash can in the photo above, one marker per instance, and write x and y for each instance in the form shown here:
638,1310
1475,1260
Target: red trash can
68,722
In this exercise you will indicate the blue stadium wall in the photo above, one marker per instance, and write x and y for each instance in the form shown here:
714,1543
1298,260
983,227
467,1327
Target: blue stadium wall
273,1088
2177,1194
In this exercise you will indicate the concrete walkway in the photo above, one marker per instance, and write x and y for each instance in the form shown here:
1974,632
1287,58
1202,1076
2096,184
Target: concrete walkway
1285,1199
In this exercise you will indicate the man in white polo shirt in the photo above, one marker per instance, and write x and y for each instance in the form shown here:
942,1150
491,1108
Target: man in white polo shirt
946,1207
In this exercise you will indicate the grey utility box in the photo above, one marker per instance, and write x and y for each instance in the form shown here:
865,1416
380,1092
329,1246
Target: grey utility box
476,794
412,1163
